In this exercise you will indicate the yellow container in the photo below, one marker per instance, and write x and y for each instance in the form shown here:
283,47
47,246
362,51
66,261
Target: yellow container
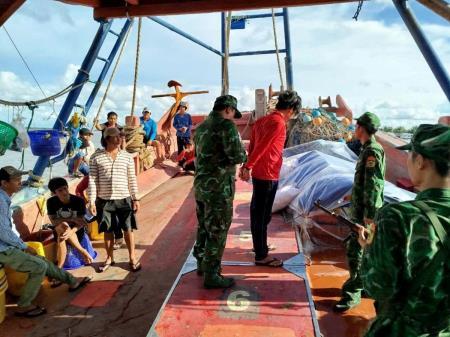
38,247
3,287
94,235
17,280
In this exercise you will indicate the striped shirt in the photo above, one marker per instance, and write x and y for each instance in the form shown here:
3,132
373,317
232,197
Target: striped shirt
112,179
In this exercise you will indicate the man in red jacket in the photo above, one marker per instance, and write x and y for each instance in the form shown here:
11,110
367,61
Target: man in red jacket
264,163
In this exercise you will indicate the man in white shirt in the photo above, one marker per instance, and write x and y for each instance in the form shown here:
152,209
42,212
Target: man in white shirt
112,195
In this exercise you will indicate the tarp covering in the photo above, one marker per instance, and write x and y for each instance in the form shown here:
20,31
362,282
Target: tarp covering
321,170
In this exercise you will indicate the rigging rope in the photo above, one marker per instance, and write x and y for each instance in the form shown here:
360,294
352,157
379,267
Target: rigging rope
358,10
226,82
136,66
47,99
112,75
277,50
24,61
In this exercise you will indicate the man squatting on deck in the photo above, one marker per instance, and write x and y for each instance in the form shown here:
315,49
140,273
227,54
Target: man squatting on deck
219,150
406,265
366,198
15,254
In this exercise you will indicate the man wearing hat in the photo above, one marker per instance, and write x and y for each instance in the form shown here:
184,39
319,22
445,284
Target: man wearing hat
15,254
182,122
78,165
151,130
366,198
219,149
406,265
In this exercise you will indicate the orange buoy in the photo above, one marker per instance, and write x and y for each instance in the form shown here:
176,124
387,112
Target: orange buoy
317,121
346,121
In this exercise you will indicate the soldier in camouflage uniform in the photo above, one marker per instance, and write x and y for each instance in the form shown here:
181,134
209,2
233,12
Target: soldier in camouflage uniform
367,197
218,148
406,268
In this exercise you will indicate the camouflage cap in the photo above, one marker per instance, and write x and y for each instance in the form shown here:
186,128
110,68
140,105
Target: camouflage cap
370,121
431,141
227,101
9,172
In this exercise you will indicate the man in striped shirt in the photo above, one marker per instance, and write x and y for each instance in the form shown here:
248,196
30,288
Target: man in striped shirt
112,194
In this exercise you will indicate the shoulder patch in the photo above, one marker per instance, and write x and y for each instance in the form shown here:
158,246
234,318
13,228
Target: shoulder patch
371,161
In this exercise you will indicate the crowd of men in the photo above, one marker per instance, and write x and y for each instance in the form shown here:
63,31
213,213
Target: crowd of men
400,257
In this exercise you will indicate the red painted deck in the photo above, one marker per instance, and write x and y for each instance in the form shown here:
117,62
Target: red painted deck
264,302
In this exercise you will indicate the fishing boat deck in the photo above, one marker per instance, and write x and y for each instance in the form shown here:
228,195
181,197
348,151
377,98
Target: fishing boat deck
118,301
162,301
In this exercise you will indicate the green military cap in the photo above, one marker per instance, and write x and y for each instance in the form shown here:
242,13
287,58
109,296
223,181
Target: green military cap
228,101
370,121
431,141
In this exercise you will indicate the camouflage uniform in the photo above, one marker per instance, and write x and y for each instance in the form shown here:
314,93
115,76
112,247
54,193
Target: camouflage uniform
218,148
400,256
367,197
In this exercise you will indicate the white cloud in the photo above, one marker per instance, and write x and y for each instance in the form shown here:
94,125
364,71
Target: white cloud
374,65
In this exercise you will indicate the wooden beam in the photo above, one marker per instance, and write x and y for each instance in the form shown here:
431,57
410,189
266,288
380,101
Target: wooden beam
89,3
440,7
8,9
174,7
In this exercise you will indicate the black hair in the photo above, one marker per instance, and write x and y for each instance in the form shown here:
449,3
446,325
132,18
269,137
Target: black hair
103,142
289,99
370,131
56,183
111,113
441,167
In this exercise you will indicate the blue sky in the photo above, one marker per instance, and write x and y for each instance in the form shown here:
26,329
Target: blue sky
373,62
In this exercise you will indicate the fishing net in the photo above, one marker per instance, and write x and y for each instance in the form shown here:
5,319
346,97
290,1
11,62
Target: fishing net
314,124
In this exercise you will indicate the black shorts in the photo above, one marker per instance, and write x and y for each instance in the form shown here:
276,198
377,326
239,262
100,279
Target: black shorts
113,215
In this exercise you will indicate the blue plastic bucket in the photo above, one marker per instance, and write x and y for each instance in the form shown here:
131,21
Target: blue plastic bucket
45,142
74,259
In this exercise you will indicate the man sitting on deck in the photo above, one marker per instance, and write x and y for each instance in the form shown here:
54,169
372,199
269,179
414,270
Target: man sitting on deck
15,254
66,212
151,129
186,159
406,265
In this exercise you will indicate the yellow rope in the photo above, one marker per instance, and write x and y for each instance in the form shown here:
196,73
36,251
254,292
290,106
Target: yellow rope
136,66
226,82
277,50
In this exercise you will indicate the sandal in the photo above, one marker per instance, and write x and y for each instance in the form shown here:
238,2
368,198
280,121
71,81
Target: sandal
105,266
54,283
135,266
272,262
33,312
81,284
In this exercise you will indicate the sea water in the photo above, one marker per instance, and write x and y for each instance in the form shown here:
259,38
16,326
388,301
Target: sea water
59,169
